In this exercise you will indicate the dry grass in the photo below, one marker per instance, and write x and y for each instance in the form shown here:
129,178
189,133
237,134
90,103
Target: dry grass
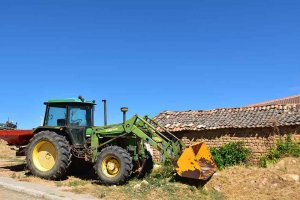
259,183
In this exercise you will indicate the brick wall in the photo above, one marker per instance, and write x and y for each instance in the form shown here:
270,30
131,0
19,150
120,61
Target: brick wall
258,140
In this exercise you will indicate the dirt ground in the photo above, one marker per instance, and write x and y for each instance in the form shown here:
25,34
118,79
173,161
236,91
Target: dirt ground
240,182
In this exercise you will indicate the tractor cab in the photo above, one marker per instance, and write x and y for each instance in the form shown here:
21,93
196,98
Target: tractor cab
73,116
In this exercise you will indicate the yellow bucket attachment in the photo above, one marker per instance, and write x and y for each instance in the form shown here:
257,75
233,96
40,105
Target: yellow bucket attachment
196,162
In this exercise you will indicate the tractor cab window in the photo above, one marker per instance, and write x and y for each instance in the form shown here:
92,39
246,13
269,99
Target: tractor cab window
80,116
56,116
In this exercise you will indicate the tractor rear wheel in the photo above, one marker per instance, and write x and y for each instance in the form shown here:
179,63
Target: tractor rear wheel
113,165
48,155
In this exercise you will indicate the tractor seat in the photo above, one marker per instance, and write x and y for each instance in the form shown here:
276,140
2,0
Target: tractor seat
61,122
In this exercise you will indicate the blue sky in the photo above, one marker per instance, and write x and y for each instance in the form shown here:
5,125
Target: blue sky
148,55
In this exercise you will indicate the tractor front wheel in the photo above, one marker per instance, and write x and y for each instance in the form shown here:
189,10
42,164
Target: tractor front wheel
48,155
113,165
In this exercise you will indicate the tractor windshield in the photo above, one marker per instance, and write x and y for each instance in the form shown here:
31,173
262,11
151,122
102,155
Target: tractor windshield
80,116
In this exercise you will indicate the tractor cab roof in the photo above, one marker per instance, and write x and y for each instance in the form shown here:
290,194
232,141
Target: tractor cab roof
79,100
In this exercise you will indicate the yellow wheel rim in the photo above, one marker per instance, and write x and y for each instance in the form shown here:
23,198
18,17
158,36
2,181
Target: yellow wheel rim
44,155
111,166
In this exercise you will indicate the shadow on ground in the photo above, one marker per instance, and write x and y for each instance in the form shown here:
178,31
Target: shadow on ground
192,182
81,169
15,168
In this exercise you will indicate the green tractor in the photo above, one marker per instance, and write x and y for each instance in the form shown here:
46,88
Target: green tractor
116,151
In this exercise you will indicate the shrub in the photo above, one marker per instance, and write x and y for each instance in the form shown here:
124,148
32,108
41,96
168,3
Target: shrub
230,154
162,175
164,171
283,148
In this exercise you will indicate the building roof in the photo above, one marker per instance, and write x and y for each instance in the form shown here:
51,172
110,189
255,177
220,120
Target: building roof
244,117
286,100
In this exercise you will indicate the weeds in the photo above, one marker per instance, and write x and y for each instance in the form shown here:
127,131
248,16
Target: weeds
216,195
76,183
13,176
59,183
164,171
102,195
230,154
283,148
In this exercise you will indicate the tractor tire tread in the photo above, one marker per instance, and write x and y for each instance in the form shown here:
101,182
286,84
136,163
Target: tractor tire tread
63,149
127,168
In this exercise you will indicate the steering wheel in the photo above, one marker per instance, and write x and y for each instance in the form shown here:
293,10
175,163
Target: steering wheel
76,122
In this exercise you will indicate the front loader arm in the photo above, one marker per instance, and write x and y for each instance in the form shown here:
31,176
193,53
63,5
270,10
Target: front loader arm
143,128
149,131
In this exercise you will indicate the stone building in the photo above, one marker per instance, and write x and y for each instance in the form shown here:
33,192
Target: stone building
258,126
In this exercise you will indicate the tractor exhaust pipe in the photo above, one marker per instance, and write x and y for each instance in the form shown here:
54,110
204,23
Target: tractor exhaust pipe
124,110
105,112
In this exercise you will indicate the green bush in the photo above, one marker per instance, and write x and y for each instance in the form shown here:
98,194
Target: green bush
230,154
166,170
162,175
283,148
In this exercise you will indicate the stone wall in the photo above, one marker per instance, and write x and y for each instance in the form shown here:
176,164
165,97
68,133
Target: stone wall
258,140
